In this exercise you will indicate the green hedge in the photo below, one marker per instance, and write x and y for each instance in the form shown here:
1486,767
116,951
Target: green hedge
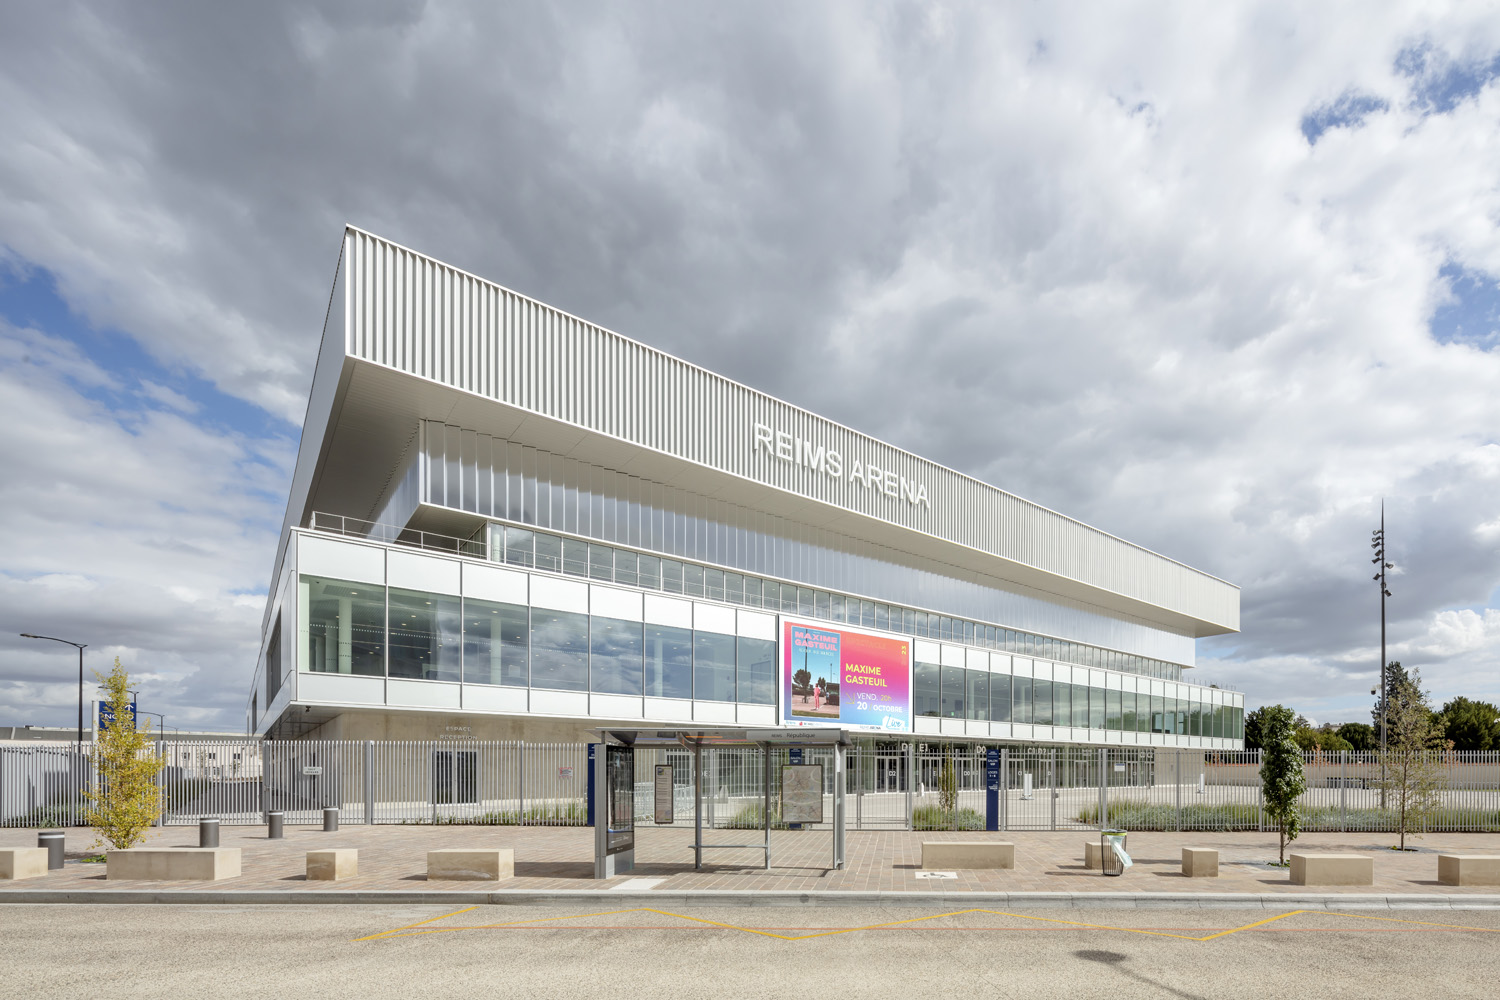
936,818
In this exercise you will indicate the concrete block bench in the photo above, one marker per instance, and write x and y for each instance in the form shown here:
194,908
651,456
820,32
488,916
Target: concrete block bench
471,865
173,864
1332,869
967,854
1469,869
329,865
1093,855
1200,862
22,862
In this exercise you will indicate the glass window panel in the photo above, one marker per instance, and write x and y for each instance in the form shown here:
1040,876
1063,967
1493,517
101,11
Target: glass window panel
805,602
648,571
977,704
713,666
1062,703
692,580
669,662
426,636
908,621
734,588
838,607
882,618
627,567
1127,712
575,557
924,689
671,576
1096,708
713,584
1041,701
788,598
518,546
497,643
345,627
922,623
601,562
756,671
752,592
559,650
616,655
1113,719
867,614
1020,699
548,552
821,604
953,692
1158,714
969,633
1195,719
1000,698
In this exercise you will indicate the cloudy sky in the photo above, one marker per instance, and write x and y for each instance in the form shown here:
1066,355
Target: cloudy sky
1214,277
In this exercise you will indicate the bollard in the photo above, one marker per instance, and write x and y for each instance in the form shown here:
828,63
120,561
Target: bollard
208,832
52,840
331,820
274,824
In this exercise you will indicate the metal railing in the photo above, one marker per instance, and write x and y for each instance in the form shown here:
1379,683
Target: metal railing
389,534
902,788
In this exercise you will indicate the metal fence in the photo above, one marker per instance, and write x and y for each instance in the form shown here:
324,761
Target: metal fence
899,787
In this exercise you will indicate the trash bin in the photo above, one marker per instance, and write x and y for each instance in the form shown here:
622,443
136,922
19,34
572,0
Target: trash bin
52,840
1113,860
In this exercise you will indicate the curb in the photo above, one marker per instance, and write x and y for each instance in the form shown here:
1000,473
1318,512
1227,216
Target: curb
732,898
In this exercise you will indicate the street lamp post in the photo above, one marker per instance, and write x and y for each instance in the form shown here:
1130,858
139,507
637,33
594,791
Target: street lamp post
80,647
1377,542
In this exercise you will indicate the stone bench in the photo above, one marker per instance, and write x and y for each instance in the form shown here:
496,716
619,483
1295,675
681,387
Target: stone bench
471,865
1332,869
333,864
173,864
1200,862
1469,869
22,862
967,854
1093,855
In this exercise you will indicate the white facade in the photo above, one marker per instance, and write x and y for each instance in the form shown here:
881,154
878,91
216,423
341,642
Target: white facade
585,474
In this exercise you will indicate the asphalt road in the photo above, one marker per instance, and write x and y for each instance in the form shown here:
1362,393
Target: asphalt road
374,952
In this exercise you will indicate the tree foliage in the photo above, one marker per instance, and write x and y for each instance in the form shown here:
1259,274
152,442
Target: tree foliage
1471,725
1253,724
1412,764
1358,735
123,802
1281,776
948,784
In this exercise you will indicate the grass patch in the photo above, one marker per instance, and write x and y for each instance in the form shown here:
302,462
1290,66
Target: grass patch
1315,819
753,817
937,818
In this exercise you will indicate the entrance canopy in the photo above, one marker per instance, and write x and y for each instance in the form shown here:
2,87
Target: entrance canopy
802,786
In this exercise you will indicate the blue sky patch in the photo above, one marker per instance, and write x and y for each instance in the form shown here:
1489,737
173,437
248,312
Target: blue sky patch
1472,313
1349,111
1440,83
29,298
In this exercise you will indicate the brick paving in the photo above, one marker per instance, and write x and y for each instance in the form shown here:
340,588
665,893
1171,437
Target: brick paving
393,858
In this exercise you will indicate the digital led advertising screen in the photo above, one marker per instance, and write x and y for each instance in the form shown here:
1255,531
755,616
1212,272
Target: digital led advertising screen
835,677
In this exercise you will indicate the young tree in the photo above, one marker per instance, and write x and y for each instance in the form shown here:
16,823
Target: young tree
1281,777
1413,762
948,787
124,802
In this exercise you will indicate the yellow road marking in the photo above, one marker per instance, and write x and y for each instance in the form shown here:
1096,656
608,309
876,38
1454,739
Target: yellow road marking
420,928
419,923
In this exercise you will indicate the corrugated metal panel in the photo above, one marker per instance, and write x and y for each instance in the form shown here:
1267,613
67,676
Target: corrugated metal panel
554,364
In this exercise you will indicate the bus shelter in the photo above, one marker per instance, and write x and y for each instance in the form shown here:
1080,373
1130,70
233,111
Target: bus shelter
612,780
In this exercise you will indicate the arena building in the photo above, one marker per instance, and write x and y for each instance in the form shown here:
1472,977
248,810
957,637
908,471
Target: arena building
508,523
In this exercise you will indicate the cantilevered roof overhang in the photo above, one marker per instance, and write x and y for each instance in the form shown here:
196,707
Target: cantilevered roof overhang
408,339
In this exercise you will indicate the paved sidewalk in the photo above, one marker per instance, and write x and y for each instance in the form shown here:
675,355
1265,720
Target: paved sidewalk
392,859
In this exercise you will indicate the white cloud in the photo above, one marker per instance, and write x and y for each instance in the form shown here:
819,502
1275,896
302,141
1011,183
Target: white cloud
1084,253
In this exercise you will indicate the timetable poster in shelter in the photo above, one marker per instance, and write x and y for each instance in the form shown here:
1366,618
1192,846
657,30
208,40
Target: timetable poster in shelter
845,678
